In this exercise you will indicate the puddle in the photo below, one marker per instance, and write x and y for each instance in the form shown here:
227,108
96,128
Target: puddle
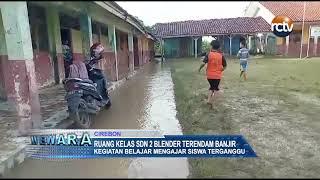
160,115
146,101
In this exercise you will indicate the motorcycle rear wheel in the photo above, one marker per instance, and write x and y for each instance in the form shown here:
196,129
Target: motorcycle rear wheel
82,118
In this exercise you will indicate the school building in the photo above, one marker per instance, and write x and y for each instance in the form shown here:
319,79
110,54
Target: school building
31,36
290,46
184,38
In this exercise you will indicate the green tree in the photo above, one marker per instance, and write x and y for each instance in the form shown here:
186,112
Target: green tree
148,28
157,48
205,46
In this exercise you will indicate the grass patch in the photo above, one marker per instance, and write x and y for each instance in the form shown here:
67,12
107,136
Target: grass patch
274,110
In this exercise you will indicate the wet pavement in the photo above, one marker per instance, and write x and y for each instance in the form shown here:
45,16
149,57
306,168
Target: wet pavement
146,101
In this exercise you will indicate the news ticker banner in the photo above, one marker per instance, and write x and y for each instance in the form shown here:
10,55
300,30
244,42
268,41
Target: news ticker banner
98,143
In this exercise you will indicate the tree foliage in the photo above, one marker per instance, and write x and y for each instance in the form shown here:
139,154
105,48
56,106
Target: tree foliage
205,46
148,28
157,48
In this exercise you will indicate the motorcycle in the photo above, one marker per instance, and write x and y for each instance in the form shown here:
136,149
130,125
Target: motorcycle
86,97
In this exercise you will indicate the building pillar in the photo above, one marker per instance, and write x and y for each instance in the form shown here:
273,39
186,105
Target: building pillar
55,44
230,45
222,42
99,41
287,45
162,49
144,47
111,40
86,31
196,47
266,40
19,74
140,50
99,33
315,45
152,51
114,46
266,49
260,43
131,52
308,46
249,42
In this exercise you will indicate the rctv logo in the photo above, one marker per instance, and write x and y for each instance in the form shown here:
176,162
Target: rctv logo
281,26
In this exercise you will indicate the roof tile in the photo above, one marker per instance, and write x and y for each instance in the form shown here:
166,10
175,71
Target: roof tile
240,25
294,10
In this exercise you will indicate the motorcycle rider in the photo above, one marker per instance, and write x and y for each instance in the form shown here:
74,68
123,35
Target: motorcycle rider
87,70
96,53
85,100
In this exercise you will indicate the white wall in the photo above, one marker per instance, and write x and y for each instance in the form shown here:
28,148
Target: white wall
263,12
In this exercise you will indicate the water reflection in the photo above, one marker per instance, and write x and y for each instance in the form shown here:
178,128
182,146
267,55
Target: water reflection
144,102
160,114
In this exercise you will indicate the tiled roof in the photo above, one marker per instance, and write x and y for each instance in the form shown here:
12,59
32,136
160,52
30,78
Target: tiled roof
240,25
294,10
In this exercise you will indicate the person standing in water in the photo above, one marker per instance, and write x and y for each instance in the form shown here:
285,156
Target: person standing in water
243,55
216,64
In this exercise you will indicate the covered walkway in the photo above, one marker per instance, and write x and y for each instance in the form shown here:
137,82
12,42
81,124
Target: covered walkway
31,57
182,39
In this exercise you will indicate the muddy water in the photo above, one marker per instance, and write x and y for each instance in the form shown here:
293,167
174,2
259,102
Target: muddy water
160,114
144,102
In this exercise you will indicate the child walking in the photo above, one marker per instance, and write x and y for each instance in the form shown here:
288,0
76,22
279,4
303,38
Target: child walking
243,54
216,64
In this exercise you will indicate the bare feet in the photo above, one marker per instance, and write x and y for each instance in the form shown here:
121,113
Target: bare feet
209,103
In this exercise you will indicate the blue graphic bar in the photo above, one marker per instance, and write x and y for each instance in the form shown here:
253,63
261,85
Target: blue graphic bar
190,146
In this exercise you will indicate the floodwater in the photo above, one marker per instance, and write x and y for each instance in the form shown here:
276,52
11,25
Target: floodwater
146,101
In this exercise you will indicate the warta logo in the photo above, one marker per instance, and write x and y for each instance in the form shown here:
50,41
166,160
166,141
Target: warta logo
281,26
